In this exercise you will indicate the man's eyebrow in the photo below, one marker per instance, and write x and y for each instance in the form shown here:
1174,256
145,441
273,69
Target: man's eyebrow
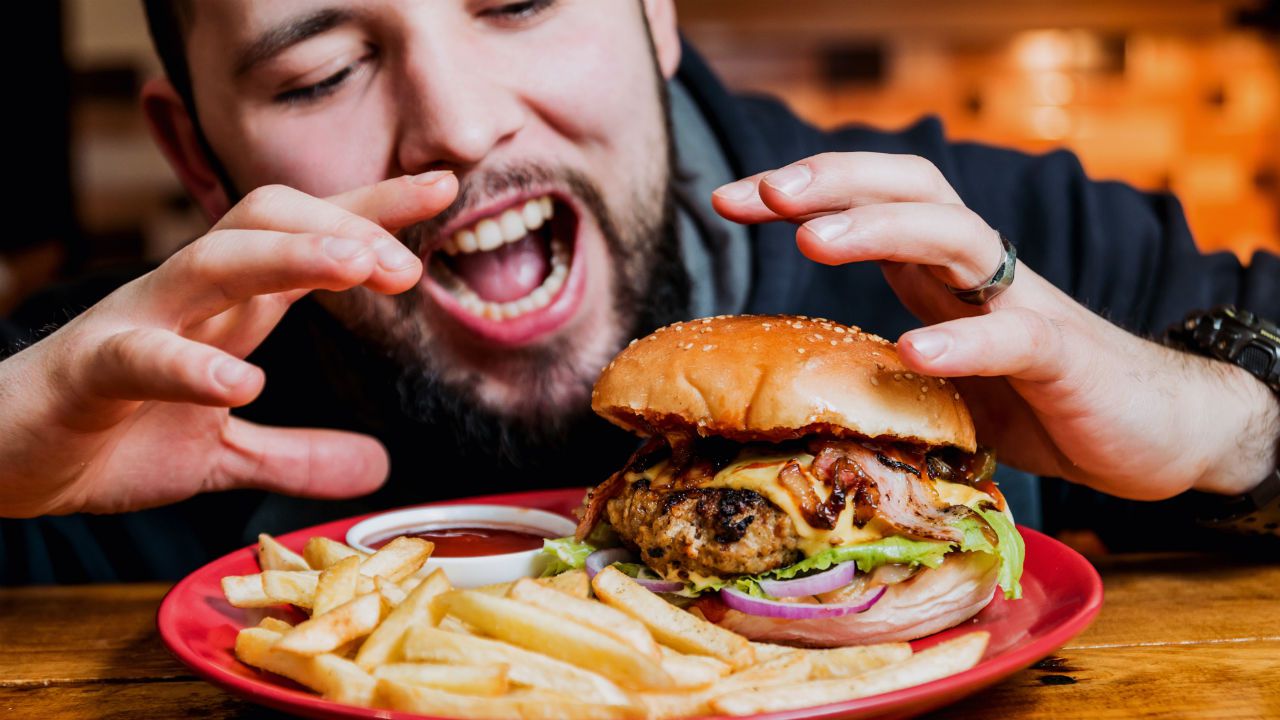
287,34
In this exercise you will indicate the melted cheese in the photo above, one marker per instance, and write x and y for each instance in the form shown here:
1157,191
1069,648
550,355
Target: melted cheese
757,469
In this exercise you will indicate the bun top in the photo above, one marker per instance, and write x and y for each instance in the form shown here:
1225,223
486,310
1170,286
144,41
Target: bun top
773,378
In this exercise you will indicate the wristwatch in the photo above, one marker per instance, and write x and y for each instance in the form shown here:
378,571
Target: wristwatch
1244,339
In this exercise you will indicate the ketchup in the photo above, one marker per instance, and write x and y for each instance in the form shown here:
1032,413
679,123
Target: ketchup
474,540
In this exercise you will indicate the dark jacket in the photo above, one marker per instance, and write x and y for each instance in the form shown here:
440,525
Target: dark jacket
1125,254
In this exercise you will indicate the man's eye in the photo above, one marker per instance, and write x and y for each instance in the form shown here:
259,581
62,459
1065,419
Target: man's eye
519,10
325,87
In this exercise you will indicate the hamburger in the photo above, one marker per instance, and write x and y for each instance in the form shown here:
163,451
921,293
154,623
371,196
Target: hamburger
798,484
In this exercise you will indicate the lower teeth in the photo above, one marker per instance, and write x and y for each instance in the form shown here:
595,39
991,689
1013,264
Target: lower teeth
539,298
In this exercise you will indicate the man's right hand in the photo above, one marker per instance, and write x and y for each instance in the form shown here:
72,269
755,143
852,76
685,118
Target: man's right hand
127,406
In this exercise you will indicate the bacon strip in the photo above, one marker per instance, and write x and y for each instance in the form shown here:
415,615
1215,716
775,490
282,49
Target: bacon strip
885,483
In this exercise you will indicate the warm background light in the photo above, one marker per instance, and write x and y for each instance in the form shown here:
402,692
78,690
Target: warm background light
1164,94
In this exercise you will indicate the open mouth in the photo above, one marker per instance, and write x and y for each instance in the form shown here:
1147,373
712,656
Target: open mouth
506,274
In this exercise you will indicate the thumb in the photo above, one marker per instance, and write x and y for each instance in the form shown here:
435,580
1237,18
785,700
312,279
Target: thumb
323,464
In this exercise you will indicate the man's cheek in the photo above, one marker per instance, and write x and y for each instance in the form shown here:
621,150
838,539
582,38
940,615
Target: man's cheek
320,158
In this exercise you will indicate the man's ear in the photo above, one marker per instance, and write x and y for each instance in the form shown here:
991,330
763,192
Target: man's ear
666,36
174,131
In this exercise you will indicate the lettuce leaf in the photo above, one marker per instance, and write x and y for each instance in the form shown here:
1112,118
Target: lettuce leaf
565,554
1012,551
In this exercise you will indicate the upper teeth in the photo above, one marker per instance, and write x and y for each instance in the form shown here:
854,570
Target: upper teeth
492,232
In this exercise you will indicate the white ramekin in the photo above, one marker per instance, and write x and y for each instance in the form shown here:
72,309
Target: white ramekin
468,571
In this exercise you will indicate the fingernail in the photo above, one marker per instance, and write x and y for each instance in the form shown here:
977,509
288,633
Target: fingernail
340,248
790,180
393,256
230,373
828,228
431,178
740,190
929,345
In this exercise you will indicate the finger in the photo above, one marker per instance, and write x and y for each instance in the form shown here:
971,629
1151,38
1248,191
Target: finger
400,202
227,267
961,248
832,182
152,364
1015,342
370,214
301,462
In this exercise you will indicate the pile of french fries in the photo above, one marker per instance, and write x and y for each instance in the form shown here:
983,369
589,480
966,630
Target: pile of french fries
382,632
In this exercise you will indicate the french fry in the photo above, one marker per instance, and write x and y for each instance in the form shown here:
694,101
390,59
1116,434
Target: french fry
390,591
274,556
336,585
939,661
383,644
291,587
398,559
587,612
245,591
334,677
573,582
670,625
454,625
531,669
541,631
486,680
327,632
692,671
274,625
856,659
321,552
781,670
524,706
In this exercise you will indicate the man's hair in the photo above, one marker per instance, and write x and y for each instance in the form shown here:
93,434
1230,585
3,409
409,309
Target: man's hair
168,21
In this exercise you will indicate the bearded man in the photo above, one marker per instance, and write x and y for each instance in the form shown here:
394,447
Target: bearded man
434,221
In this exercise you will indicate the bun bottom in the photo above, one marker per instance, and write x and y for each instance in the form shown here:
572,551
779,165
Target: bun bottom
931,601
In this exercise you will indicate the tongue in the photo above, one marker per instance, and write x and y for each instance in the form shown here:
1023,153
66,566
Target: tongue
508,273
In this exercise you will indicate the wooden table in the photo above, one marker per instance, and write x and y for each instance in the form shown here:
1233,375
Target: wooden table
1179,636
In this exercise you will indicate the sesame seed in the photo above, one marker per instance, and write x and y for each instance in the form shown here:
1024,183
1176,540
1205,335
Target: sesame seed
839,331
800,350
897,376
880,366
834,343
679,328
910,376
706,321
924,388
708,348
633,342
875,381
956,396
848,339
919,398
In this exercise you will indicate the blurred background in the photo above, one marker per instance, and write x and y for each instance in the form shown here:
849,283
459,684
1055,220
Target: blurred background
1181,95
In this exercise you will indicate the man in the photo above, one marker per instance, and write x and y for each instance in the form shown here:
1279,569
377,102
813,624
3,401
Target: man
470,206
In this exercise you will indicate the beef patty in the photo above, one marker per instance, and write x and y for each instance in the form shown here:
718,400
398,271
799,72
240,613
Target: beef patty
709,531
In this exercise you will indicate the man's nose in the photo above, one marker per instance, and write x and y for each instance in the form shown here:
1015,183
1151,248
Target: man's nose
453,113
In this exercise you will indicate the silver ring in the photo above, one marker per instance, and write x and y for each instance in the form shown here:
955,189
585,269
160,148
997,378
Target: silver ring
999,281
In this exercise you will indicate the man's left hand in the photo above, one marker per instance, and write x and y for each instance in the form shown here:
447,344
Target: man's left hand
1057,390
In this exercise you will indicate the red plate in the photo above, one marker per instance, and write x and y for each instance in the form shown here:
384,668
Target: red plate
1061,595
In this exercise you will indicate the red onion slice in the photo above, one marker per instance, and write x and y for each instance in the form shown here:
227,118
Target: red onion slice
601,559
835,577
743,602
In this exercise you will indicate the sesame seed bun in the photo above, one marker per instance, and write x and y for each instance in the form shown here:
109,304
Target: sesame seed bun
773,378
